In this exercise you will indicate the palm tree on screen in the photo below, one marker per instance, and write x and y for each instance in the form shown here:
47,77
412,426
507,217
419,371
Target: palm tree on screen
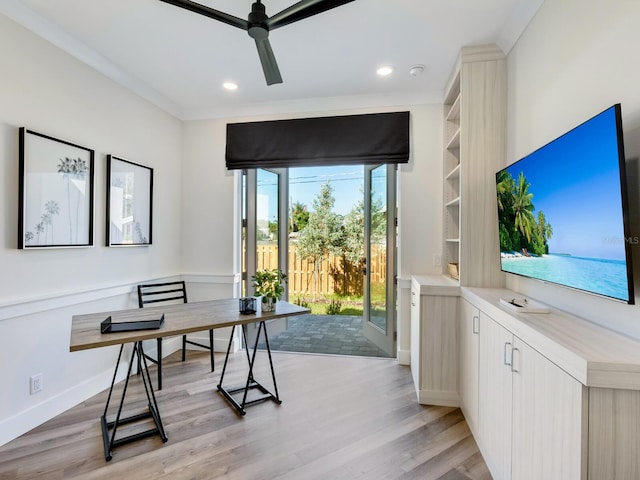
523,208
545,231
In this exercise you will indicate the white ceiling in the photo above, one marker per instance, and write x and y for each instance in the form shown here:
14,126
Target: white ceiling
179,60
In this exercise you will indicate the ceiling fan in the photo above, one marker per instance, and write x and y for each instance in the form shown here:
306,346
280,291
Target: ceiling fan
258,25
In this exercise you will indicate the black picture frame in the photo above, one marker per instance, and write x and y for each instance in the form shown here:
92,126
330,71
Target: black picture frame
129,203
56,192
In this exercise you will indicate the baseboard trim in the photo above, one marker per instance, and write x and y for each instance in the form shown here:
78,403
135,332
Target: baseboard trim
443,399
404,357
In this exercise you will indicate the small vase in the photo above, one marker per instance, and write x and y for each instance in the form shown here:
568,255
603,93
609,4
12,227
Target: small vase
268,304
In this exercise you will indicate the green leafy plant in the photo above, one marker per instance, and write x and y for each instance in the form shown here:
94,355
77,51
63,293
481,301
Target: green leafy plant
334,307
269,283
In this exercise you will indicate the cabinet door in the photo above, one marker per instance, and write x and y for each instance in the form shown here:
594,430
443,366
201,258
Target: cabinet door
548,419
495,401
439,345
434,348
469,350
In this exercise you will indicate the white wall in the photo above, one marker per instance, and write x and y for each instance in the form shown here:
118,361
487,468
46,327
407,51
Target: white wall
574,60
420,197
48,91
209,214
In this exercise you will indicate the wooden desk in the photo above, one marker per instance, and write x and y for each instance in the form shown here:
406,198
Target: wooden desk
179,319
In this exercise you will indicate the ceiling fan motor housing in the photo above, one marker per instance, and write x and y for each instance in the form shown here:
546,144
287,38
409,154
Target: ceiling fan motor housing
258,29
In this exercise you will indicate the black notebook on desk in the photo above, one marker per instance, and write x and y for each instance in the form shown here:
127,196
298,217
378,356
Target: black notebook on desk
107,326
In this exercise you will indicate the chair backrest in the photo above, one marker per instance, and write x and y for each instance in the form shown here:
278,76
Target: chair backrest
168,292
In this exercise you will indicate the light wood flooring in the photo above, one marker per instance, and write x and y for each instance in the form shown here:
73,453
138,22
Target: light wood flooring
341,418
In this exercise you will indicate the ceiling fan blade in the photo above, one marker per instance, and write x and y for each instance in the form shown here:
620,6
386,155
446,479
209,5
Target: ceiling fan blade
210,12
268,60
302,10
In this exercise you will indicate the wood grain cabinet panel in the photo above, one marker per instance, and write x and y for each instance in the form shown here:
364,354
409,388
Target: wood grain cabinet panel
549,419
495,397
614,434
469,369
434,340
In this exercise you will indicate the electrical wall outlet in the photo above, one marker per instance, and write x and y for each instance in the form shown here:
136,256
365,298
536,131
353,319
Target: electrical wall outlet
437,260
35,383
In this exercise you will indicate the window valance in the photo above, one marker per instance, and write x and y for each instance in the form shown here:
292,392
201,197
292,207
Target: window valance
342,140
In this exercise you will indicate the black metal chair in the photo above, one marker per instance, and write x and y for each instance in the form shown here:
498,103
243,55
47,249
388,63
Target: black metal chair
168,293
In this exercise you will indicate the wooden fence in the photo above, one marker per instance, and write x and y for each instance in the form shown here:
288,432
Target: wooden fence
335,275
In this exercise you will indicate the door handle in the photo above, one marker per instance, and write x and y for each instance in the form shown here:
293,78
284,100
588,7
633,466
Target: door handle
514,368
475,325
508,346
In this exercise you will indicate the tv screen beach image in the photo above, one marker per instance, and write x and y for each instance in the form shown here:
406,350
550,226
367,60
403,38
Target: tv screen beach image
560,211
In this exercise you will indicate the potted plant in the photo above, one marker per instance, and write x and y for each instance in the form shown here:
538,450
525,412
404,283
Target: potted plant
269,285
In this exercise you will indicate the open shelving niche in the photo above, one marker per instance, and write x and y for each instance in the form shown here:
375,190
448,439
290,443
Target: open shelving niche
452,174
474,129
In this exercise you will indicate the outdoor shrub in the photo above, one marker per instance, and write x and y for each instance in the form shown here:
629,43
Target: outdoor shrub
334,307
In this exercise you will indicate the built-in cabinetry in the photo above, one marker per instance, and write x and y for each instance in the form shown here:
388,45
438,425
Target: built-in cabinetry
548,395
468,361
530,411
434,339
474,149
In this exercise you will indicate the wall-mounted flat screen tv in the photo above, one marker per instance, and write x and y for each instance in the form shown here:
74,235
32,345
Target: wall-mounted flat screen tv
562,211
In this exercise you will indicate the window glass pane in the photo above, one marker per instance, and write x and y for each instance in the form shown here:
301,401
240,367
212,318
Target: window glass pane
267,220
378,281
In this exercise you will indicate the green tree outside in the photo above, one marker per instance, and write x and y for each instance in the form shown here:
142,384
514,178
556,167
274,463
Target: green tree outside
354,228
299,217
323,234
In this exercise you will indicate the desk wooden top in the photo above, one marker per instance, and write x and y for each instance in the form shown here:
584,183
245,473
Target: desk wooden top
178,320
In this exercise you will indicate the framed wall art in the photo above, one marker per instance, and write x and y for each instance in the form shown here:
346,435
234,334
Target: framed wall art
129,203
56,193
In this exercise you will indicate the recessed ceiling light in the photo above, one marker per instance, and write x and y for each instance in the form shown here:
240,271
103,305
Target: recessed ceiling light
385,70
230,85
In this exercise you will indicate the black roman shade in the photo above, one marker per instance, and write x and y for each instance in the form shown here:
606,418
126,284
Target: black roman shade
350,139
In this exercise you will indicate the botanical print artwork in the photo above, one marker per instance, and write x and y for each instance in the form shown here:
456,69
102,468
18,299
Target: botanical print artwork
129,203
57,202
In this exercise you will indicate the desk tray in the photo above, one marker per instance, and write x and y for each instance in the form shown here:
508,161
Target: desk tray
107,327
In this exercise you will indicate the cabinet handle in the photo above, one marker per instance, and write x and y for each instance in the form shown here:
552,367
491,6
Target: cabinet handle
413,299
475,325
509,362
514,368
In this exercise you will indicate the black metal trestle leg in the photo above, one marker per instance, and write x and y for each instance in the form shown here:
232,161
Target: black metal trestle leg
251,381
109,429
